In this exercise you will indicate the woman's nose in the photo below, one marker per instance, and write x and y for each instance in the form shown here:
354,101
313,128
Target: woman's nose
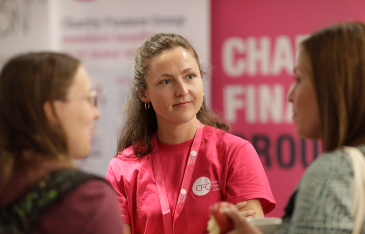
181,89
97,113
291,93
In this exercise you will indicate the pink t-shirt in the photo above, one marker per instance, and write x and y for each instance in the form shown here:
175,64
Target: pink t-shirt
227,169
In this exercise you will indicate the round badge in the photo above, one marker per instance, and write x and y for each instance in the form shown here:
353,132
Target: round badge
183,191
201,186
193,153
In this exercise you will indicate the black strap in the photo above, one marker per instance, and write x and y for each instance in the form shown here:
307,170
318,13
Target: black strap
289,208
26,210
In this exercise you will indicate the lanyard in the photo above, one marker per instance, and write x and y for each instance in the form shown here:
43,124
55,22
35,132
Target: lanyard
193,154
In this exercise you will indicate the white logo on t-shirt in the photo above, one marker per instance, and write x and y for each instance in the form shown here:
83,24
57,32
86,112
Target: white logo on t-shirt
201,186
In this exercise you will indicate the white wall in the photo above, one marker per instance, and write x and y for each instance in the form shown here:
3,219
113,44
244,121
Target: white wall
24,26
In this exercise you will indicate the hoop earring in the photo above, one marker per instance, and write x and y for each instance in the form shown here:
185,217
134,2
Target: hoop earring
146,106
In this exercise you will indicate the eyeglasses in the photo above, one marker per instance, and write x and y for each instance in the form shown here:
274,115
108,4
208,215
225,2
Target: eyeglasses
91,97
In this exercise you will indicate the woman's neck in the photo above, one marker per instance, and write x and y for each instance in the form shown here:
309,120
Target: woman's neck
172,133
37,166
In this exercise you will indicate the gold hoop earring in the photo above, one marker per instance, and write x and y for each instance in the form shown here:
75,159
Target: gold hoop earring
146,106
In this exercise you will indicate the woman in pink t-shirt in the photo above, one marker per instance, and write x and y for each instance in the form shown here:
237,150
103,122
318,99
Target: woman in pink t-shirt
175,156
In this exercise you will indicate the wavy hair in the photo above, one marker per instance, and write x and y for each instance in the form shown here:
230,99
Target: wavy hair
139,123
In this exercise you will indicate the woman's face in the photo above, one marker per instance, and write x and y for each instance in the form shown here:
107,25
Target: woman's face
303,97
77,114
174,86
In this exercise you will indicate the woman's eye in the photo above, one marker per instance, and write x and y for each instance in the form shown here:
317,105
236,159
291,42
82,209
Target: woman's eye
190,76
165,82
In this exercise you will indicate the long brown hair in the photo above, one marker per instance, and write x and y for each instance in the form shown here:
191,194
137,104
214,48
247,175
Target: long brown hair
139,123
337,56
27,82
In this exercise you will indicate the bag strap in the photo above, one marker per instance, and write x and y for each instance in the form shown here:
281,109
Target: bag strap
26,210
358,205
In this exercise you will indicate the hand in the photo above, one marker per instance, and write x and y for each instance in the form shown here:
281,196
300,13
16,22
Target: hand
245,213
241,226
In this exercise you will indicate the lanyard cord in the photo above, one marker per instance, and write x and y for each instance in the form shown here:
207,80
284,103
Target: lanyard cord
189,169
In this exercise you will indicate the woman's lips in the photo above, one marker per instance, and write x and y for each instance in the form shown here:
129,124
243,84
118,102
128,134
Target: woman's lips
182,104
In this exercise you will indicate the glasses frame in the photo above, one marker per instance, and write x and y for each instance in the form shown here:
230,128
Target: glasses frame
91,97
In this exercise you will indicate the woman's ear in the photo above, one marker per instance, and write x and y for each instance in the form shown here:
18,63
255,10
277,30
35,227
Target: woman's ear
48,111
143,96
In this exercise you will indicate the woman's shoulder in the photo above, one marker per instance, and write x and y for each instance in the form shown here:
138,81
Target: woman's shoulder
92,202
333,163
92,188
324,197
228,145
126,163
220,137
126,153
327,161
329,167
126,156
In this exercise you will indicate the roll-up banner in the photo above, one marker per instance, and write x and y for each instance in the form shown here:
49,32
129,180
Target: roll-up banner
24,27
253,53
105,35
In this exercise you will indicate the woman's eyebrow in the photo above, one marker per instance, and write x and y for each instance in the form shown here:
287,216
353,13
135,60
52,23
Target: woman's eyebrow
183,72
167,75
187,70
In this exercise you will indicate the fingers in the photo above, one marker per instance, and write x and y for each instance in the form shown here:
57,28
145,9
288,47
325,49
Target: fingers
240,224
225,204
240,205
248,214
232,214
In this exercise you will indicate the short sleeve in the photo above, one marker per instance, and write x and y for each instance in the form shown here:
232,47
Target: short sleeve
323,202
247,179
116,180
91,208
